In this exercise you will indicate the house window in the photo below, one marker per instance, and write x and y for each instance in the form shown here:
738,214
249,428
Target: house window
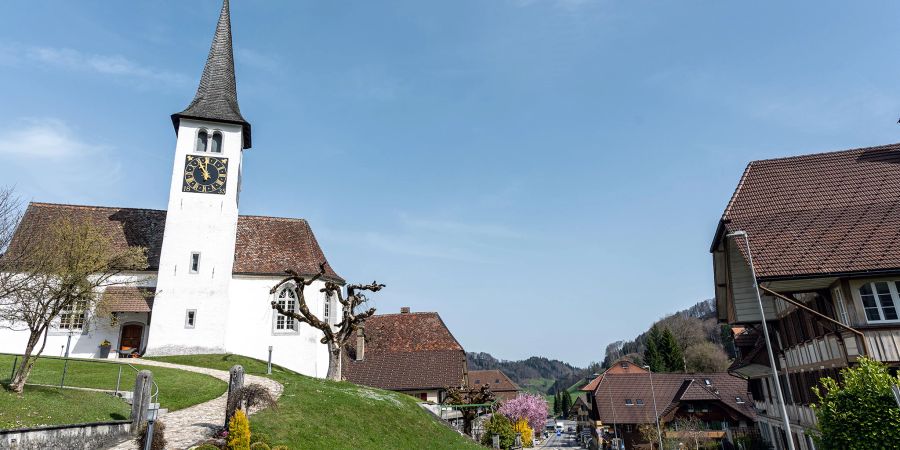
195,262
628,402
640,402
216,146
738,400
72,317
202,140
878,300
287,300
623,365
326,313
190,318
707,382
628,428
841,308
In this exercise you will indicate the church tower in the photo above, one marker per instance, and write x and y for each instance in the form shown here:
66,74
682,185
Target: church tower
195,267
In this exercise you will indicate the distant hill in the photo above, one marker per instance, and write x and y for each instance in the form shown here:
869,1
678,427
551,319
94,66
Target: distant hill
536,374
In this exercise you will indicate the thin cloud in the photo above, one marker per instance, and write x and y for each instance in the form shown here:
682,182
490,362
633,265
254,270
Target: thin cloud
71,59
486,230
43,138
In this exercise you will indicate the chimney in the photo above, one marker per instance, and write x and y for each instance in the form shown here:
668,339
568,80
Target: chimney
360,344
404,310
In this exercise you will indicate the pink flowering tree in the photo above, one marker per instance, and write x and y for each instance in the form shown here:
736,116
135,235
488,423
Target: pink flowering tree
528,407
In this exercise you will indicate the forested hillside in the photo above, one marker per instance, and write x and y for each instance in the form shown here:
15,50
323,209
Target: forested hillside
535,374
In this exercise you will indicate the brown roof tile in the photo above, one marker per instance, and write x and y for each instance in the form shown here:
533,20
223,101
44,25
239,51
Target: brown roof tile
128,299
495,378
407,352
821,214
265,245
670,388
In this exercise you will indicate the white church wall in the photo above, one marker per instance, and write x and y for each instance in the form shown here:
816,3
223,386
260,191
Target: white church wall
251,327
204,223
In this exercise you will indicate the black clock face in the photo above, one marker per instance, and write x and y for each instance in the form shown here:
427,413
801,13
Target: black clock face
205,174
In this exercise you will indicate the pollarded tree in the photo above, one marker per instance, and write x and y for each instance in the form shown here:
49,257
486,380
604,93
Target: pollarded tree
59,273
859,412
335,336
468,397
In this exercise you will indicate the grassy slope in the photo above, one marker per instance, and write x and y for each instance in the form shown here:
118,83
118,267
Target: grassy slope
52,406
314,413
177,389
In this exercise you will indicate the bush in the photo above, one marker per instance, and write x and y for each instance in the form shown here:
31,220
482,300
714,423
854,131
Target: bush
280,447
238,432
207,447
159,436
498,424
527,433
253,397
259,446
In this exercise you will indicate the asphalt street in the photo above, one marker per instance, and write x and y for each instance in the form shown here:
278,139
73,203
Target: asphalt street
565,440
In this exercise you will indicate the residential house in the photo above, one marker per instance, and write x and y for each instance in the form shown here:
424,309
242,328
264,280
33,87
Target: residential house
501,385
718,401
210,269
822,230
410,352
619,367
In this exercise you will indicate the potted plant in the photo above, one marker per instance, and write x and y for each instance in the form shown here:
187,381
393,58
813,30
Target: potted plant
104,348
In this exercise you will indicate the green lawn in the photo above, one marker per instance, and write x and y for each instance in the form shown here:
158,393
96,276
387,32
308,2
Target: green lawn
177,389
314,413
53,406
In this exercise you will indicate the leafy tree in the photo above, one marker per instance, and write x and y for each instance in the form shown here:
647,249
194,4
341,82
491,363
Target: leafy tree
652,354
58,267
860,412
705,357
500,425
670,352
335,336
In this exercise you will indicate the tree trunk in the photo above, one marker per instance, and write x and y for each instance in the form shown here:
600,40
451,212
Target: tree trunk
334,361
17,384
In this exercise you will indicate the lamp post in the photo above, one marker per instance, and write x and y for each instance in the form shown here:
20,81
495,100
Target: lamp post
151,419
655,411
762,316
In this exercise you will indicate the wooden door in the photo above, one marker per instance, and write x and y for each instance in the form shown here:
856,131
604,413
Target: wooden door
131,337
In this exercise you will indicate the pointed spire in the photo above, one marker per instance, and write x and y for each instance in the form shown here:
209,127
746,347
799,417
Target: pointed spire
216,97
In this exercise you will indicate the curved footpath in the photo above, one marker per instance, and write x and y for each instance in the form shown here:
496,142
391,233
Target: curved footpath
195,424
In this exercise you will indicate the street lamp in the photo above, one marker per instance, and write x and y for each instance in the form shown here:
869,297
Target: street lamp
655,411
151,418
762,315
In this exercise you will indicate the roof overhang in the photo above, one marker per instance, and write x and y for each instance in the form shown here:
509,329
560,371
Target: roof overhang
245,126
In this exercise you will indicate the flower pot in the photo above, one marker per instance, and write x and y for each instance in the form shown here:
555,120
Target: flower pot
104,351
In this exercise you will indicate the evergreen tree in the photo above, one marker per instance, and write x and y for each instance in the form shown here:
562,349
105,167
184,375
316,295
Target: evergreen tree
652,356
557,405
566,403
670,353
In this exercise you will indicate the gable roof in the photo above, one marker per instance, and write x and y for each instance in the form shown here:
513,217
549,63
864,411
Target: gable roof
494,378
216,97
127,299
670,389
820,214
265,245
407,351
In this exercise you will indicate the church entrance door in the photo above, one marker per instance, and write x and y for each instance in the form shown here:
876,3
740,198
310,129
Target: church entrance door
131,337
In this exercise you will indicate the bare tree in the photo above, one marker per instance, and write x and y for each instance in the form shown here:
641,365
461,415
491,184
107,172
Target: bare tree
10,215
706,357
466,397
335,336
59,274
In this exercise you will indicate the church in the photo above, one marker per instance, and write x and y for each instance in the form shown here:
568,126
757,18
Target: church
206,289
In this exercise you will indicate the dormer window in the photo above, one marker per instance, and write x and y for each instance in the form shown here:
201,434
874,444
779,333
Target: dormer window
216,142
738,400
628,402
707,382
202,141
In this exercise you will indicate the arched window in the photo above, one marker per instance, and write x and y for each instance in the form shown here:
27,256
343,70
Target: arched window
287,300
216,142
202,138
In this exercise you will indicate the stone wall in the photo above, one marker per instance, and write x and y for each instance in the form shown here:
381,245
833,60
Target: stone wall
82,436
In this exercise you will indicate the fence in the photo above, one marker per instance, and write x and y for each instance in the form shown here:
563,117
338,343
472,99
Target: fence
75,373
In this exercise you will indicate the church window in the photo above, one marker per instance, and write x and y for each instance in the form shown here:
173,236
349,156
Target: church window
195,262
190,318
72,317
287,300
202,140
216,143
326,313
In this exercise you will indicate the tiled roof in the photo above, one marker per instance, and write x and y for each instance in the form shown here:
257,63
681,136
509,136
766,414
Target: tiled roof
820,214
495,378
592,384
408,351
265,245
670,389
128,299
216,97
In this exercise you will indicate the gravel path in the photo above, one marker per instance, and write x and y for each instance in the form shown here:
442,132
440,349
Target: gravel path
192,425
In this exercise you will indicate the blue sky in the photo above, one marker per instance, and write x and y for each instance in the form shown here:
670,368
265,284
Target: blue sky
546,174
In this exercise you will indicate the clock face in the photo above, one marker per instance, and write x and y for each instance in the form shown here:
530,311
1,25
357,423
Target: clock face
205,174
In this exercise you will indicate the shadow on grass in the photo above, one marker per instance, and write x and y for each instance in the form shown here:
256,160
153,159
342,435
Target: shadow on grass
117,416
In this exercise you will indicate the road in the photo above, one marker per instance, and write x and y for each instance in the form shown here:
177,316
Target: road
566,440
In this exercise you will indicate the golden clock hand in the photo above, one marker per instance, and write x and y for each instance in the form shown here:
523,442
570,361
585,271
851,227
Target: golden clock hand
204,168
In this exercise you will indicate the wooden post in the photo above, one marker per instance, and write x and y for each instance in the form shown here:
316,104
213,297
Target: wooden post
235,383
140,400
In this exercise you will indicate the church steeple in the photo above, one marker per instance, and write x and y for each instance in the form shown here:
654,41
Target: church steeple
216,98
